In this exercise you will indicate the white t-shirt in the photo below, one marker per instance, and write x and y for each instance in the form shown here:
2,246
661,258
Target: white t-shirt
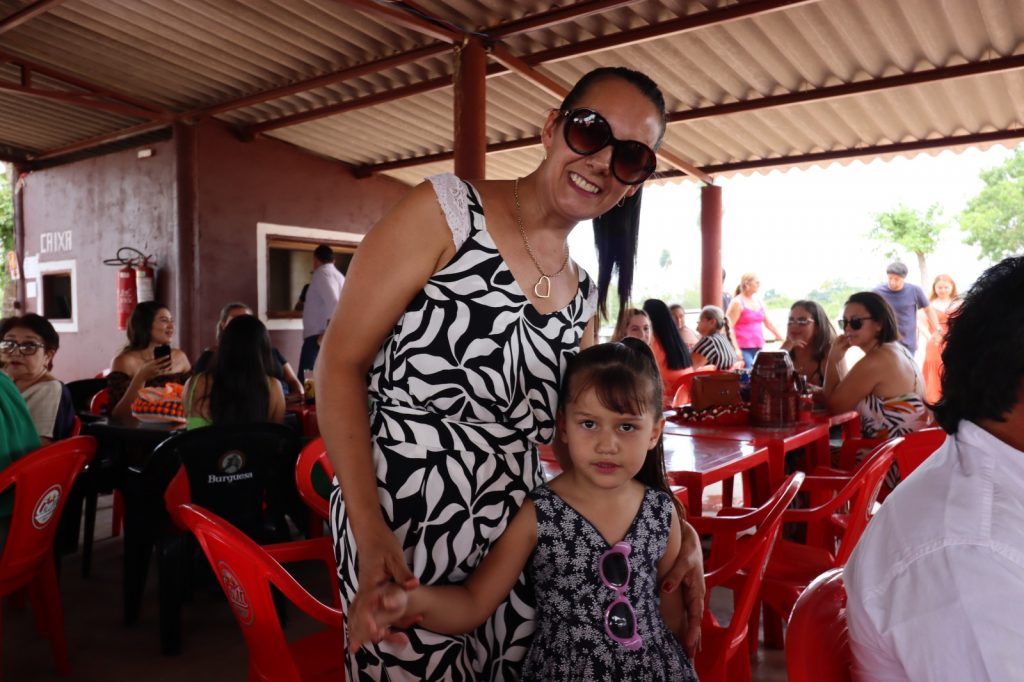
43,400
936,585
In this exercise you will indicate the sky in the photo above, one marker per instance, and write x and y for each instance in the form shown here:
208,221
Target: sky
800,228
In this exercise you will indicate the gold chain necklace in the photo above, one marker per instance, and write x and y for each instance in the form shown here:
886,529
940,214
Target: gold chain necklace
542,288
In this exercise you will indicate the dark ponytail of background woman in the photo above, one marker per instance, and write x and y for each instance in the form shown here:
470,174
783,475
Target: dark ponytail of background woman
663,327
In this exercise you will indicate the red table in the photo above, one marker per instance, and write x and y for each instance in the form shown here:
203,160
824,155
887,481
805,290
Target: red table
779,441
306,412
699,462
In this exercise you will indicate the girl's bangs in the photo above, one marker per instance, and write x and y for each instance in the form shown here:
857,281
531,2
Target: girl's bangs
618,388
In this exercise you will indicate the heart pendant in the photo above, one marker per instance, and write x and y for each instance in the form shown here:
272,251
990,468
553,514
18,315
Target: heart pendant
545,290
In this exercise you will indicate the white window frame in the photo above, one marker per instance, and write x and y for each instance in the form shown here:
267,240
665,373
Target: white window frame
58,267
267,231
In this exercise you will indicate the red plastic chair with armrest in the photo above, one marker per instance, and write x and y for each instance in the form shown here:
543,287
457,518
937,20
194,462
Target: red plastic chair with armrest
246,571
818,640
314,455
916,448
736,562
842,508
685,383
42,480
100,402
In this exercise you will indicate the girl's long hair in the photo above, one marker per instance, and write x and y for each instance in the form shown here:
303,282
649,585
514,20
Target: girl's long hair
625,377
677,355
237,378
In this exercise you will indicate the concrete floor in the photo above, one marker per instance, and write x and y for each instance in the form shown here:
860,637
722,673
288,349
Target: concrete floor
102,649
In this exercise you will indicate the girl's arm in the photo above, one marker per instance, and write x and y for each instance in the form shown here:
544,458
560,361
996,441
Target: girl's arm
687,571
275,406
392,264
450,609
672,611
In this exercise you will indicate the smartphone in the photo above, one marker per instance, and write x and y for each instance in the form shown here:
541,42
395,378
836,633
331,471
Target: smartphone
163,351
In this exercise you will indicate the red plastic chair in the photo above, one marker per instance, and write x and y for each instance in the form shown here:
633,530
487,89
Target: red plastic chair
685,383
916,448
818,642
246,571
842,508
76,428
736,562
42,480
313,455
99,402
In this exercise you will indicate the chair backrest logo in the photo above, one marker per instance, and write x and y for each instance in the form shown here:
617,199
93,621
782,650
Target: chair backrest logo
236,593
46,507
231,462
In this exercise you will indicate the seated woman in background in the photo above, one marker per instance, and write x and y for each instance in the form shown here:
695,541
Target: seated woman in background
633,322
716,343
885,386
27,346
689,337
809,338
236,388
136,366
279,367
671,354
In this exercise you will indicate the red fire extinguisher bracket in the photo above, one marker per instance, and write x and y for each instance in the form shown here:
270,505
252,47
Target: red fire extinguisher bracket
136,278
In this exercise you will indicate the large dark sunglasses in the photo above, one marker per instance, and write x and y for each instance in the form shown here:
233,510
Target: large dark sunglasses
854,323
587,132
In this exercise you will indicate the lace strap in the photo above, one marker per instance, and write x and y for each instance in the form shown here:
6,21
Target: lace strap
451,195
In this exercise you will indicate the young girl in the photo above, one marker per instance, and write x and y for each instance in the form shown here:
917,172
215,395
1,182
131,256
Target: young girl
594,542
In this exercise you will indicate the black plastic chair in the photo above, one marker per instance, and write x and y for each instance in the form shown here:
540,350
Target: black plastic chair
82,391
242,473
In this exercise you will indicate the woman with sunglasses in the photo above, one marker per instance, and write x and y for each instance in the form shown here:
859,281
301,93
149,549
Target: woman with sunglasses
885,386
809,338
27,347
478,308
596,541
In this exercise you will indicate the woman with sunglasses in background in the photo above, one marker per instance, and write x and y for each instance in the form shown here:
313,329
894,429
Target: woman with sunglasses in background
478,308
27,347
809,338
885,386
597,539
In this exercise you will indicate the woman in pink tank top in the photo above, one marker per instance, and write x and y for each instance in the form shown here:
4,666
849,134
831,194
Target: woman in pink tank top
746,317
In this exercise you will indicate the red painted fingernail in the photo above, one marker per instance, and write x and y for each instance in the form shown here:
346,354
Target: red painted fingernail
668,586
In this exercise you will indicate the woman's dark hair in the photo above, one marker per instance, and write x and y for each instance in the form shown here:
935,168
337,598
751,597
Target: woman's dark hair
625,377
983,365
880,311
615,232
824,333
226,310
38,325
677,355
140,324
237,378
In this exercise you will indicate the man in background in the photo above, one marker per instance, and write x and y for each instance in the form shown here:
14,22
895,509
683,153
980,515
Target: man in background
321,300
905,300
935,583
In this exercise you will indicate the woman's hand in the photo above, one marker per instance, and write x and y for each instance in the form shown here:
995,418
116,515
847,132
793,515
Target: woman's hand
688,571
381,559
839,348
790,343
151,369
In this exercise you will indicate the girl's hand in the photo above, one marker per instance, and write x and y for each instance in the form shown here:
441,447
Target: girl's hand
151,369
373,612
688,571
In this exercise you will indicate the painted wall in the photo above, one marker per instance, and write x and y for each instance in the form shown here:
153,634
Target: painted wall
106,202
242,184
119,199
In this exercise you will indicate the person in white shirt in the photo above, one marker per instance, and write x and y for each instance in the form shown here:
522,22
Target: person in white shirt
936,583
321,300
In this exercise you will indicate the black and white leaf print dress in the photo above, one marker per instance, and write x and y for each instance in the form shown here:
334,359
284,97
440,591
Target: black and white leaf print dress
462,389
570,644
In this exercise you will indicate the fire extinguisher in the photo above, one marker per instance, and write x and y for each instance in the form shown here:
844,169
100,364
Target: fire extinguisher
135,281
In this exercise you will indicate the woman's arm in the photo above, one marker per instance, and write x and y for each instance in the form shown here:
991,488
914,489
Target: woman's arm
295,389
770,325
140,374
450,609
842,393
275,406
394,261
698,359
672,611
733,314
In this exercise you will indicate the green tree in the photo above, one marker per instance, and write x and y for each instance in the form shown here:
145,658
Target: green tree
6,227
912,230
832,294
994,220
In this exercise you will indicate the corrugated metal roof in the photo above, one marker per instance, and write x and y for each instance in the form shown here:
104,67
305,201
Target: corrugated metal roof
189,55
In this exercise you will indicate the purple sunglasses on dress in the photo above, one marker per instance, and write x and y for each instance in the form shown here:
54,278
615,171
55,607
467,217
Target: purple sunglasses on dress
619,617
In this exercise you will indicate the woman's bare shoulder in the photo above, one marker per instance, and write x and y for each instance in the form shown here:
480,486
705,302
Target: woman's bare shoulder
127,362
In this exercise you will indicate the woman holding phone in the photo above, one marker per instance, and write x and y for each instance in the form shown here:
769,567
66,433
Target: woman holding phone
147,359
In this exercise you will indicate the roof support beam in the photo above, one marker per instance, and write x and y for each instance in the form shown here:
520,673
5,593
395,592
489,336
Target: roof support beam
27,13
857,88
556,16
863,152
109,138
88,100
